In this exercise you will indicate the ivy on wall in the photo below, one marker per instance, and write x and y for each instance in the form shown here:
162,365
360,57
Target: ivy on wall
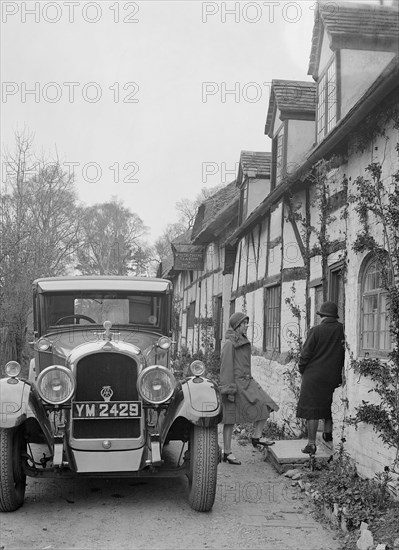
376,202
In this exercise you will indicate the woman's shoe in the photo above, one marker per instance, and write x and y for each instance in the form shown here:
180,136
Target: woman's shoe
327,436
310,449
230,458
264,443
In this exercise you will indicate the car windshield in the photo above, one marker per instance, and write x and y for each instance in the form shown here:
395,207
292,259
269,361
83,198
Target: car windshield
95,308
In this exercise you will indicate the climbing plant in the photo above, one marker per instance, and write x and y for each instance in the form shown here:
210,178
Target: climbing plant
376,201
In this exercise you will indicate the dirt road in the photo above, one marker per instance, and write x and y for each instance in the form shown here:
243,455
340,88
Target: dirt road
255,508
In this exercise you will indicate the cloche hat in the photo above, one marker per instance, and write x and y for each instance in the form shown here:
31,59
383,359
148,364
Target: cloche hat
236,319
328,309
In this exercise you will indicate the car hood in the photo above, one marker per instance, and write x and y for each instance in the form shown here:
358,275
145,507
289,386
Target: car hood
63,343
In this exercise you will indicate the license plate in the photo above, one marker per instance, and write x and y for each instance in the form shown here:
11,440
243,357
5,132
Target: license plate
101,409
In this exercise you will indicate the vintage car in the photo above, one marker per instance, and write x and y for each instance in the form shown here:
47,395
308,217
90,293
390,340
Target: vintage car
101,393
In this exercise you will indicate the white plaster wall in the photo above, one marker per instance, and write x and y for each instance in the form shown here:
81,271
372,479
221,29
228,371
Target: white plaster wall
359,69
262,251
362,444
242,262
277,122
326,53
257,319
275,252
235,281
241,304
301,136
292,256
275,222
226,289
270,375
274,267
258,189
289,324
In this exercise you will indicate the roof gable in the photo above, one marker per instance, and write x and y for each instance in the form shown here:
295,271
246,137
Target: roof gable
216,211
357,26
254,164
294,98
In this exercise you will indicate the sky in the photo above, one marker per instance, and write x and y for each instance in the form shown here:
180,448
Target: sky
147,101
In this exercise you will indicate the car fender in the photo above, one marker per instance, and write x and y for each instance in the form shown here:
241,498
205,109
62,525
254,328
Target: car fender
32,371
18,402
197,402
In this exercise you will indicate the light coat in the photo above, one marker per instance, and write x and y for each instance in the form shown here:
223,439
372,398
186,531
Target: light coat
251,403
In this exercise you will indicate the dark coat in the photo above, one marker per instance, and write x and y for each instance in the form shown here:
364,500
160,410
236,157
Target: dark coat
321,361
251,403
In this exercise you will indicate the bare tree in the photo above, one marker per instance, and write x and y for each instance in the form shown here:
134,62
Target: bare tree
39,225
188,208
163,244
111,238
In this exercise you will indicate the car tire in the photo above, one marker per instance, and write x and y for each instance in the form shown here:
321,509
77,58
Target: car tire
204,461
12,476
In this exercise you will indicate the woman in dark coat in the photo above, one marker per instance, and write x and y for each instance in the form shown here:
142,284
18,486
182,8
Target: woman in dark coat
243,398
321,361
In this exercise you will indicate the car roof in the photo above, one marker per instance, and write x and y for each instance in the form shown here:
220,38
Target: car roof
99,283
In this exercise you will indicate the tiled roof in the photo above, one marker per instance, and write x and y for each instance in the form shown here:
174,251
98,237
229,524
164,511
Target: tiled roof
354,26
167,263
213,208
291,97
254,164
381,88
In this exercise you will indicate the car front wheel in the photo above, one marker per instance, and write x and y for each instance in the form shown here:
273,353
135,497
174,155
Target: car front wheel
12,476
204,461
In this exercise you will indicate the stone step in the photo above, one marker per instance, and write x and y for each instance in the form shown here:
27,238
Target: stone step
286,454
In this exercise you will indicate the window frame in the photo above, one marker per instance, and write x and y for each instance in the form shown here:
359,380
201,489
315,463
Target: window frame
376,351
327,99
336,284
272,328
278,169
243,200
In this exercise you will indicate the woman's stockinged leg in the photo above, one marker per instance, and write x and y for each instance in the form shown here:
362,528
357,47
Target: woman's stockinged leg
227,435
258,428
312,430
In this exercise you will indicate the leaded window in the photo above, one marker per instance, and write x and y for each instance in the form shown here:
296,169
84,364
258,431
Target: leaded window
375,335
272,318
327,101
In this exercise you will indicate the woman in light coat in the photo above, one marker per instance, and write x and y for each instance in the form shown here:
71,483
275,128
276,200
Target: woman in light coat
242,397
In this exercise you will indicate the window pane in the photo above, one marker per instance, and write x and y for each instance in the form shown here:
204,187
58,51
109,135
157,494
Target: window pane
272,328
372,278
384,333
376,320
326,102
370,312
331,97
321,108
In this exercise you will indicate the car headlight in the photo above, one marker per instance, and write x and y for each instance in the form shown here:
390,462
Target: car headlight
156,384
197,368
43,344
56,384
13,368
164,342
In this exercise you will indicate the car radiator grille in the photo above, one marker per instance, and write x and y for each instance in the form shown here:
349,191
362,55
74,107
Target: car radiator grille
95,371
